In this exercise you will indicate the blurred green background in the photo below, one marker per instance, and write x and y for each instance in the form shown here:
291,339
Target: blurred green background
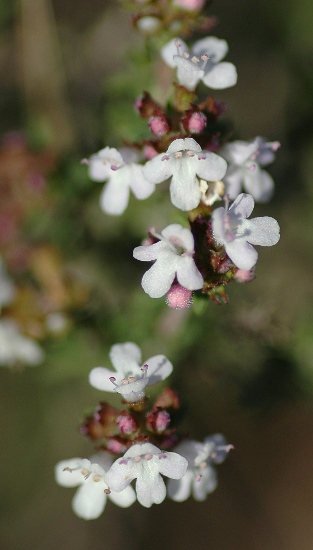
67,78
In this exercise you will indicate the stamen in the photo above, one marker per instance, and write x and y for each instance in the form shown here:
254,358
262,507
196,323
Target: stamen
165,157
97,478
113,167
219,448
205,57
162,455
190,153
124,381
84,161
275,145
252,168
198,477
107,491
113,380
178,155
226,200
144,369
131,379
123,461
178,46
203,465
195,59
186,55
137,459
201,156
148,456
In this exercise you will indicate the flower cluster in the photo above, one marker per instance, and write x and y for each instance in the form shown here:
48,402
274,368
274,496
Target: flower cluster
143,440
198,256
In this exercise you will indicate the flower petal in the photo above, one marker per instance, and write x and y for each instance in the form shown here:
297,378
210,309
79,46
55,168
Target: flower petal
207,484
159,368
263,231
173,466
242,206
100,163
150,489
188,275
223,75
216,48
66,478
242,254
233,181
125,498
259,184
126,358
120,475
99,378
238,152
180,236
157,170
115,195
158,279
183,144
188,73
169,50
140,186
212,168
149,252
179,490
184,187
89,500
218,224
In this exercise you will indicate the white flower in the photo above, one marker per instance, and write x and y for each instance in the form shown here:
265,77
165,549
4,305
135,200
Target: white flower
245,159
174,258
16,348
123,173
130,378
7,289
201,63
90,499
184,161
237,234
145,462
200,478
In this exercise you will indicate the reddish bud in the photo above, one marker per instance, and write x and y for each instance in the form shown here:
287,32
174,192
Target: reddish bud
242,276
102,423
179,297
159,125
127,423
168,399
158,420
147,107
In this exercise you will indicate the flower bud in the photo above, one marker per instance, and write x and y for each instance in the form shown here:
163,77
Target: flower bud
126,423
158,421
179,297
159,125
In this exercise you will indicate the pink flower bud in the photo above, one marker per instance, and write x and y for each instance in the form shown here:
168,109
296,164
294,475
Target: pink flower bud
158,125
114,446
197,122
242,276
149,152
179,297
162,420
126,423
